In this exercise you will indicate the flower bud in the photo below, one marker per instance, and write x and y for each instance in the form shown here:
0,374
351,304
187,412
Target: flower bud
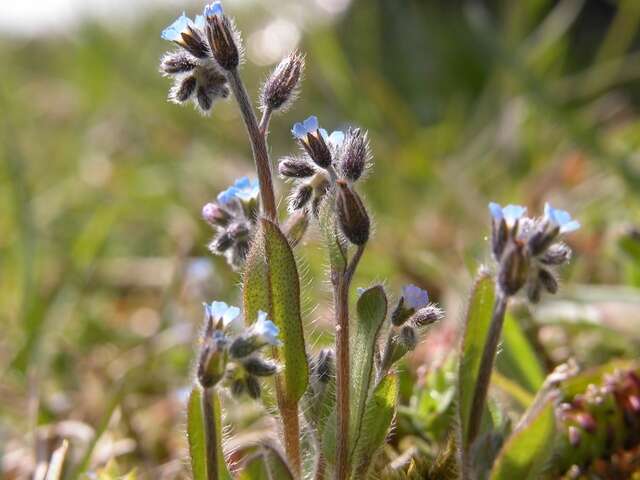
243,346
556,254
310,137
213,358
324,365
293,167
253,387
401,313
544,235
513,269
223,39
238,231
177,62
408,338
183,90
548,281
426,316
280,89
215,215
352,215
355,155
237,387
221,243
259,367
301,196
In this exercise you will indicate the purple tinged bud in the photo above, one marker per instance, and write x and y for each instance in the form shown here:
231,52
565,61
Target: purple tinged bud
177,62
280,89
213,358
296,226
556,254
324,365
355,155
215,215
426,316
221,243
183,90
513,269
223,39
548,281
301,196
293,167
352,214
309,136
259,367
408,338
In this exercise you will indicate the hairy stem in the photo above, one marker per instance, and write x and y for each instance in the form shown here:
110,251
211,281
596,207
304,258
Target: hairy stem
486,367
342,365
291,431
258,145
264,122
209,414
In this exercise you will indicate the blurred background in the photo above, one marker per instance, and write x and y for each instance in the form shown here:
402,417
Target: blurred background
103,258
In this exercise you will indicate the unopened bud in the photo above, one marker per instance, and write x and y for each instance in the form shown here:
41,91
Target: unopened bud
544,235
243,346
237,387
281,87
294,167
408,338
253,387
221,243
355,155
301,196
215,215
192,41
401,313
177,62
513,269
238,231
183,90
556,254
426,316
223,39
317,149
548,281
352,215
213,359
499,237
324,365
259,367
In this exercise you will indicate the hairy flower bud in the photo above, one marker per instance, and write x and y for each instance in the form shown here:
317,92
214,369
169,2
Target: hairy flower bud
401,313
293,167
355,155
221,243
215,215
352,215
408,338
223,39
213,358
301,196
426,316
556,254
259,367
253,387
177,62
280,89
513,269
324,365
548,281
296,226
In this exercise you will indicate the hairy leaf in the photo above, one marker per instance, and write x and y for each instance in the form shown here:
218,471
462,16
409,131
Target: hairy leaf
271,284
527,451
376,422
477,323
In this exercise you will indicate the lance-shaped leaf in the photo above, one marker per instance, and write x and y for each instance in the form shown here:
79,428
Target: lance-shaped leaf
196,433
526,453
372,311
271,284
376,422
336,250
477,323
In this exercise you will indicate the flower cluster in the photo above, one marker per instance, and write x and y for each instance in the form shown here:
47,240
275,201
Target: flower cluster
230,355
329,162
233,216
409,321
197,67
529,250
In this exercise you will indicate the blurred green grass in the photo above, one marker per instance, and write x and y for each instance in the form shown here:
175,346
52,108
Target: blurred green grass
103,256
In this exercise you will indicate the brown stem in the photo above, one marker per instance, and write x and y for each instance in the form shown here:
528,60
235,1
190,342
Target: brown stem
291,431
258,145
486,367
264,122
342,366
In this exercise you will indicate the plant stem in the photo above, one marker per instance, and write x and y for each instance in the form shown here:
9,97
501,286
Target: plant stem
486,367
209,414
342,364
291,430
264,123
258,145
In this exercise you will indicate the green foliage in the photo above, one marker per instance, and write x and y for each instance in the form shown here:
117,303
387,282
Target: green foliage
477,321
526,452
271,284
372,312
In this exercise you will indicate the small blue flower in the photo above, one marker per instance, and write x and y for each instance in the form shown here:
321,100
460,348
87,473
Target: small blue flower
561,218
415,297
510,213
336,138
220,310
199,22
301,129
214,9
243,189
266,331
173,32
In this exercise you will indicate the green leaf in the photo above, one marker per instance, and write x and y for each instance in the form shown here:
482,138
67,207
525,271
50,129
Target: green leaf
372,312
254,468
271,284
197,437
376,422
477,323
276,464
337,251
527,451
517,359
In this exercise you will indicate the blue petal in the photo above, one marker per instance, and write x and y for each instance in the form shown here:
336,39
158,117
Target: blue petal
324,133
336,138
311,124
415,297
243,182
218,309
512,213
561,218
214,9
496,211
298,130
173,31
199,22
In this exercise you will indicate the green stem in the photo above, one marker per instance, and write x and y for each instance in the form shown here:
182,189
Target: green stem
486,367
258,145
210,425
342,365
